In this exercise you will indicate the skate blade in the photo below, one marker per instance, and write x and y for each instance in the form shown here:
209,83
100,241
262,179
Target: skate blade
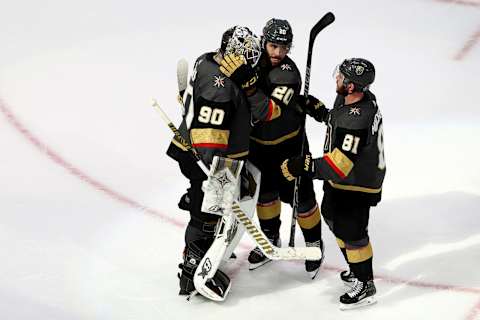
313,274
254,266
363,303
192,294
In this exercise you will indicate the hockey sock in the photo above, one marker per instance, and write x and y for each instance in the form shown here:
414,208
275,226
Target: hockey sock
269,217
341,245
363,271
310,223
360,260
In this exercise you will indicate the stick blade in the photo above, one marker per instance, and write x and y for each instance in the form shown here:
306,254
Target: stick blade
182,74
324,22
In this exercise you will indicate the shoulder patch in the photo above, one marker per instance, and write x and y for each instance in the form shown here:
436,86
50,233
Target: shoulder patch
285,74
219,81
355,111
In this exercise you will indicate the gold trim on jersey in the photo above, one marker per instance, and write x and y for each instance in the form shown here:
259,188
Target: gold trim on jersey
270,210
310,219
360,255
276,111
276,141
340,243
209,136
340,161
238,155
354,188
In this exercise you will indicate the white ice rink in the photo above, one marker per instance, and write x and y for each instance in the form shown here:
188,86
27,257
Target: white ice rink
89,227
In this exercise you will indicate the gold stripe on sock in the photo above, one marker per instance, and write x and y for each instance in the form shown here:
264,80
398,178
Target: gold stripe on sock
310,219
270,210
360,254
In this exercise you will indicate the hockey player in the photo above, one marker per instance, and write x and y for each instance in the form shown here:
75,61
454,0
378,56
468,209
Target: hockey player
216,121
279,136
353,169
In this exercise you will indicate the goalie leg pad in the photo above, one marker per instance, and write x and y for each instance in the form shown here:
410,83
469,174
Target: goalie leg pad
218,286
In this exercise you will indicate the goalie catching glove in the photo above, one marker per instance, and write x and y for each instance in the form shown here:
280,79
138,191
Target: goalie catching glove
313,107
239,71
298,166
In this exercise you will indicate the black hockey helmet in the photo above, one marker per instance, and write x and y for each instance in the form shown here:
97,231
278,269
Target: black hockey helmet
241,41
358,71
277,31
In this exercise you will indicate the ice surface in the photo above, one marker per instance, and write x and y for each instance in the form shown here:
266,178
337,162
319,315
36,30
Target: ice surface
88,220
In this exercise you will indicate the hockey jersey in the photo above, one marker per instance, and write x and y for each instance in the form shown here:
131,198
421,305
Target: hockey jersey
353,164
279,86
216,117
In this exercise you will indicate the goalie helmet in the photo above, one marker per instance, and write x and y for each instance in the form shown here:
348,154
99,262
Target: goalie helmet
358,71
241,41
277,31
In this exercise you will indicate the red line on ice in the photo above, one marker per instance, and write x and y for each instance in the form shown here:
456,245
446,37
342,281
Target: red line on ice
55,157
468,46
462,2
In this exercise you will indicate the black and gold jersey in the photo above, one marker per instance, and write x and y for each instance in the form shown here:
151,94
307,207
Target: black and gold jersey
279,88
216,117
353,158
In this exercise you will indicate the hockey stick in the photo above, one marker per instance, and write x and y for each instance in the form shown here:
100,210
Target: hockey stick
324,22
269,250
182,78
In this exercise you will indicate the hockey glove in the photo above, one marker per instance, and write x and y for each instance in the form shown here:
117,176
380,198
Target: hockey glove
236,68
313,107
298,166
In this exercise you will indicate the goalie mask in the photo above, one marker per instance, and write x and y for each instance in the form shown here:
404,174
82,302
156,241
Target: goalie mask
240,40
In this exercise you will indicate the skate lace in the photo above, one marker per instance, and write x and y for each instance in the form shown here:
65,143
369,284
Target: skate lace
258,251
356,289
313,244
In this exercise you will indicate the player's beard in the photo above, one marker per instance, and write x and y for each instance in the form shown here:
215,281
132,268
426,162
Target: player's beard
275,61
342,90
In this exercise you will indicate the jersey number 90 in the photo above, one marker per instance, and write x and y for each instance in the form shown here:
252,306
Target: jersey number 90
211,115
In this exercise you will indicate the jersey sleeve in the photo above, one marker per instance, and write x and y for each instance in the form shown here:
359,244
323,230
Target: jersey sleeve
262,108
284,83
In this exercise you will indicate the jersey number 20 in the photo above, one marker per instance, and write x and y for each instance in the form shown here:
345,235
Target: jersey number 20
283,93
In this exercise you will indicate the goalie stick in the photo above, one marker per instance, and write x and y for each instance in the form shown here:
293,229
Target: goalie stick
182,78
324,22
269,250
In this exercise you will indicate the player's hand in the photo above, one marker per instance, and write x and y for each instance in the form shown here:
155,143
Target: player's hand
313,107
239,71
298,166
